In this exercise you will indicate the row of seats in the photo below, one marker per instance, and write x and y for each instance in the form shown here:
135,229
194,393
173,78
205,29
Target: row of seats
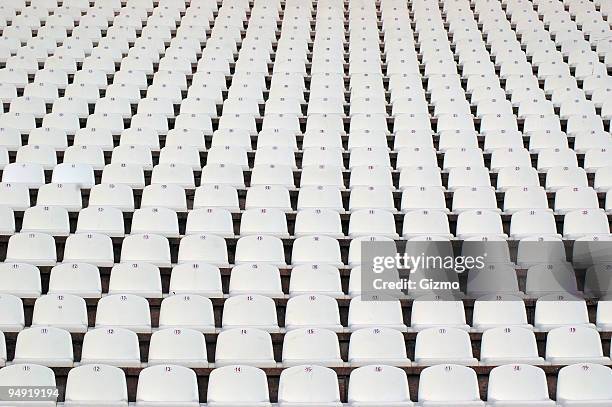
307,385
131,311
159,222
211,248
144,279
277,197
51,346
90,144
32,175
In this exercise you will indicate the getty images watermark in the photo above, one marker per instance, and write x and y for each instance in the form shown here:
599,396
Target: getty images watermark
446,269
413,268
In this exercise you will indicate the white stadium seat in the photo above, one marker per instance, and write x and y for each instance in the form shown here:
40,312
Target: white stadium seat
82,386
516,384
449,384
224,381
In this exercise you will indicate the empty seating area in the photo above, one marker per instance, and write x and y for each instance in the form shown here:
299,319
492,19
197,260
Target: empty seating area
186,186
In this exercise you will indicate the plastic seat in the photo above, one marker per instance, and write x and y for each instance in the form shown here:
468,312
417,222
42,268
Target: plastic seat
53,137
82,386
46,346
311,346
371,197
568,199
268,196
583,384
596,158
252,347
272,174
135,154
518,384
540,249
165,196
131,175
523,198
180,175
426,222
462,157
510,177
124,310
81,279
423,198
316,311
251,380
371,175
65,311
250,311
509,345
531,222
489,308
260,249
216,196
13,319
561,177
315,279
223,174
320,196
191,311
370,313
14,196
420,177
210,220
308,385
170,385
493,278
449,384
479,223
320,250
103,220
574,344
66,196
24,375
184,347
549,158
386,386
555,310
443,345
52,220
31,175
430,311
261,279
136,278
416,157
233,155
196,278
367,222
467,199
203,248
34,248
161,221
146,248
585,222
551,278
111,346
373,346
321,175
468,177
7,225
263,222
43,155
